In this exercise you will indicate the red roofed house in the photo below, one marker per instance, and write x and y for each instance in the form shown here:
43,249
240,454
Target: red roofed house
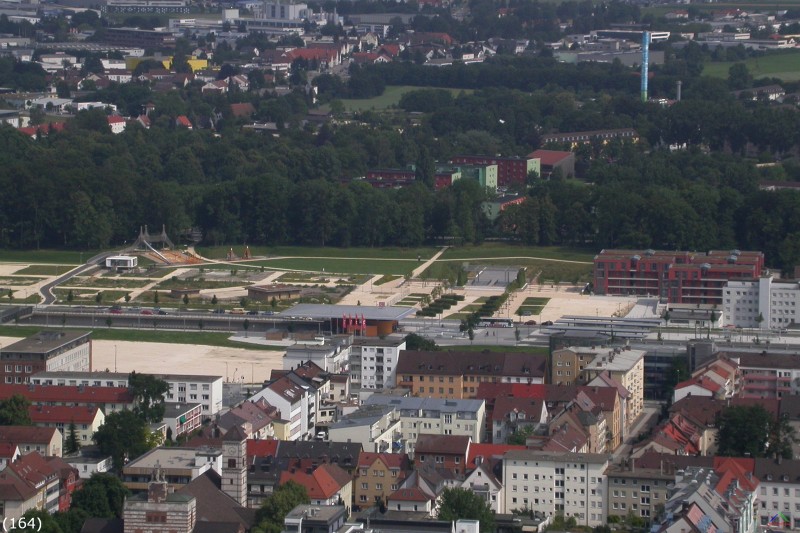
16,496
116,123
183,122
328,484
46,441
245,110
43,129
8,453
87,419
412,499
552,160
69,480
109,399
324,57
261,448
511,414
442,451
144,120
379,475
34,470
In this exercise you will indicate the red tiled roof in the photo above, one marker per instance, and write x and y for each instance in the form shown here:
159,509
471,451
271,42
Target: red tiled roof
243,110
321,484
531,408
445,444
115,119
262,448
67,393
43,129
488,451
413,494
33,469
391,460
183,120
13,489
26,434
43,414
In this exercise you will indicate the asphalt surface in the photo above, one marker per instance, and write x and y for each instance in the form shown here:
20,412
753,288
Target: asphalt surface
48,298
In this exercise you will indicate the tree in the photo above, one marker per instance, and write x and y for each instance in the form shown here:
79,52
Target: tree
127,298
102,496
155,297
38,520
471,334
14,411
745,430
98,297
269,518
782,437
70,296
246,326
185,299
148,393
109,322
123,435
520,435
416,342
73,444
214,300
464,504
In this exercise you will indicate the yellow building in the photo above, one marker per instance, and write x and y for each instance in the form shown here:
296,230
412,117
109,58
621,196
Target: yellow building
379,475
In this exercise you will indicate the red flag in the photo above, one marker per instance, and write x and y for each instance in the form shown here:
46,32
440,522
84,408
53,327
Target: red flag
344,322
363,323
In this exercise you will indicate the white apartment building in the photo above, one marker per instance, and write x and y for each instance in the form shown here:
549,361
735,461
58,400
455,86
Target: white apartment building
295,402
375,427
572,484
776,302
373,362
779,493
183,388
436,416
330,354
626,366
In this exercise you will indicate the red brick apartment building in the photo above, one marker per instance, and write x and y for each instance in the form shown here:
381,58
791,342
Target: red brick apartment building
510,170
677,277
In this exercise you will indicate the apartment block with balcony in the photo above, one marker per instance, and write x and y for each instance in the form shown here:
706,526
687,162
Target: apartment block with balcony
375,427
571,484
768,375
763,303
436,416
373,362
678,277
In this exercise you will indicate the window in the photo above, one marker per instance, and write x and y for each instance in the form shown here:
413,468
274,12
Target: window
365,486
362,498
378,486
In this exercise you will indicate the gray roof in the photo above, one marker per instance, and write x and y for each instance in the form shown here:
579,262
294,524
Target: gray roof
569,457
364,416
45,341
326,312
171,410
403,403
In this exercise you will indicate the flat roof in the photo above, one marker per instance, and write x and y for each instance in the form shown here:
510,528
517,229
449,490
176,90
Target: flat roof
45,341
166,458
327,312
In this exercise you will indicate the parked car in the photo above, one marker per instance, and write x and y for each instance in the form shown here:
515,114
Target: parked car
162,312
218,311
530,323
147,312
547,323
268,313
115,311
252,312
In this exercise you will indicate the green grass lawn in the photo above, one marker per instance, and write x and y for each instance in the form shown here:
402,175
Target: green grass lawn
550,271
206,338
495,250
220,252
43,270
111,283
342,265
535,301
390,97
783,65
45,256
387,278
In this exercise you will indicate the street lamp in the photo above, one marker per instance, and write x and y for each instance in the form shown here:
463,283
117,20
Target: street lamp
226,371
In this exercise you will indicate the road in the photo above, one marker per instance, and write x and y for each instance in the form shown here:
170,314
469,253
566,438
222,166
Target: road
647,420
46,290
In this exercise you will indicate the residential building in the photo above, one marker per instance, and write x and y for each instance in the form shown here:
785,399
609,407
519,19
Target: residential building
89,460
376,427
379,475
183,388
108,399
33,470
458,374
764,303
324,391
327,484
626,367
726,496
719,378
636,490
46,351
510,170
485,175
436,416
578,138
442,451
295,404
568,363
255,418
182,418
148,39
315,518
331,355
768,375
87,420
176,466
678,277
554,161
116,123
43,440
391,178
572,484
8,453
779,492
277,292
483,482
511,414
373,362
495,206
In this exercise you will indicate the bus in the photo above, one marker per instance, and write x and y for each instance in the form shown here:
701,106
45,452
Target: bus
488,322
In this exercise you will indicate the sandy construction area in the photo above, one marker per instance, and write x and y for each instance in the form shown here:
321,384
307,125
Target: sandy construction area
250,366
8,269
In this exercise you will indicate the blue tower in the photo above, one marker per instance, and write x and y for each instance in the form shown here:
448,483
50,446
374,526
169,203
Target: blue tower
645,62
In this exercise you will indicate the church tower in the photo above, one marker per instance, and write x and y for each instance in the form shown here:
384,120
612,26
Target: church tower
234,465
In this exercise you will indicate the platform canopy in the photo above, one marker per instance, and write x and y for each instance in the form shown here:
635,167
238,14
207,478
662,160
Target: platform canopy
327,312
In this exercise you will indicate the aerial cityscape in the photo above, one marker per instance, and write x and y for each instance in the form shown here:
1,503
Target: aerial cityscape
370,266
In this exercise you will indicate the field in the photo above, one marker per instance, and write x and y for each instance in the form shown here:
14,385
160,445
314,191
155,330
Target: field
45,256
492,250
220,252
43,270
390,97
341,265
532,306
783,65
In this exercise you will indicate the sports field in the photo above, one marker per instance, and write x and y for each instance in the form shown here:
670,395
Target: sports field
782,65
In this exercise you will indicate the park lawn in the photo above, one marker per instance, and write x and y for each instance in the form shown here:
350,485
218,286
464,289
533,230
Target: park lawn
220,252
341,265
111,283
46,256
387,278
551,271
390,98
536,301
206,338
44,270
501,250
783,65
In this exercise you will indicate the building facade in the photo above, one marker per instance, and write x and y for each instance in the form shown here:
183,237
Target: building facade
46,351
763,303
510,170
373,362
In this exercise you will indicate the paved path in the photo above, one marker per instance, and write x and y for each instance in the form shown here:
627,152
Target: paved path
424,266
